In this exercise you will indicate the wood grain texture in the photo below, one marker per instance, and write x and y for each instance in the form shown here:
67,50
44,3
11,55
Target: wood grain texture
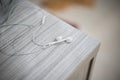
54,63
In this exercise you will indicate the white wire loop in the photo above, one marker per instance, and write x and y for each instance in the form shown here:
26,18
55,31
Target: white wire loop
5,27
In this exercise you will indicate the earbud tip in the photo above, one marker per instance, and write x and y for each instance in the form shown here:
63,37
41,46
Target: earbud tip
69,40
59,38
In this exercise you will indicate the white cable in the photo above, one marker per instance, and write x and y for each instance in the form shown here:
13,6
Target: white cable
5,27
58,40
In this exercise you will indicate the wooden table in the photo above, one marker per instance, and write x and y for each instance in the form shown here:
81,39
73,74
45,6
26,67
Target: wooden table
21,59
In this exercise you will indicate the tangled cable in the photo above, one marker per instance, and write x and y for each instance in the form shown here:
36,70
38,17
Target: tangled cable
5,27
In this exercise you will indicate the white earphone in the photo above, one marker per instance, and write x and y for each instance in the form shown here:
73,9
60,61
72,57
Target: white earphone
58,40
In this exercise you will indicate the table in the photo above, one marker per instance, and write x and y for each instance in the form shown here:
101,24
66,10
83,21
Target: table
21,59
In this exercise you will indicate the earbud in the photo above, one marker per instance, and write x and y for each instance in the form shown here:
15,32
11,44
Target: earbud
69,39
59,39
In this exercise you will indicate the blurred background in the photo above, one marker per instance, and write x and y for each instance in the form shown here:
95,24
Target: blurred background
99,19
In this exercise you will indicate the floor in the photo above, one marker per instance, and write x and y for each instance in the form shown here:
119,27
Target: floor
103,23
